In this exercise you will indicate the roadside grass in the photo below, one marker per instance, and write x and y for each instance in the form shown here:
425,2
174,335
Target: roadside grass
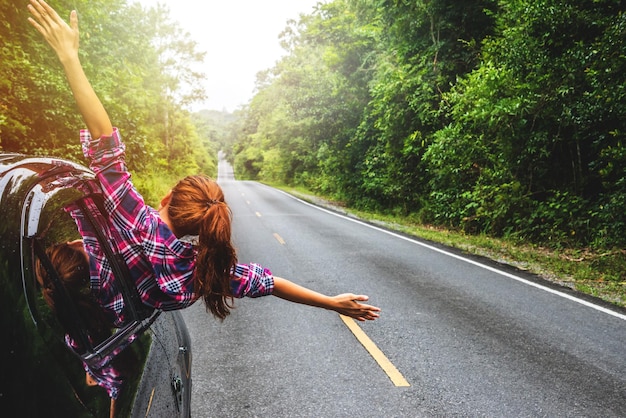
599,274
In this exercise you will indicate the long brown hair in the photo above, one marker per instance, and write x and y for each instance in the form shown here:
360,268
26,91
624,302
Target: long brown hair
72,269
197,207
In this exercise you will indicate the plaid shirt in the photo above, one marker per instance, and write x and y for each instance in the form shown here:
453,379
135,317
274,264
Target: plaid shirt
161,265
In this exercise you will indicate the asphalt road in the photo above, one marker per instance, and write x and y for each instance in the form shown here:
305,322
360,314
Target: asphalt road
471,338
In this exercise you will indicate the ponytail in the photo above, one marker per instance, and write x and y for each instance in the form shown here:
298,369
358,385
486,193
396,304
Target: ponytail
197,207
216,257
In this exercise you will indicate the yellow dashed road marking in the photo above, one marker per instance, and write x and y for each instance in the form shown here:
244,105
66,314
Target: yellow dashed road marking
150,402
382,360
279,238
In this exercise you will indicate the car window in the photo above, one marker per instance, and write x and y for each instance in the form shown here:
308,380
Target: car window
60,300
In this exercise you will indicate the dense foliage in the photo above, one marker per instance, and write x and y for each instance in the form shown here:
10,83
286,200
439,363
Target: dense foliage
505,117
145,93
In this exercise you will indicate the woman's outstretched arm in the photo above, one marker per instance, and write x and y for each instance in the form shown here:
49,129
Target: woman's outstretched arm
64,39
346,304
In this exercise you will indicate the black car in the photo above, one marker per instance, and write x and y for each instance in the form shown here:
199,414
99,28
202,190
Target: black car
41,373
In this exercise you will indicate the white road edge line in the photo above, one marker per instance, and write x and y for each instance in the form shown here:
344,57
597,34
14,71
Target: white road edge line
467,260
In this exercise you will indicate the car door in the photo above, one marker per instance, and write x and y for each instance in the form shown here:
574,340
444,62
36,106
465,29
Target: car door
45,373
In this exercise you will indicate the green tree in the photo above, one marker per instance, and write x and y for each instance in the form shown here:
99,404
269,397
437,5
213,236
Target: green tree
425,45
145,93
533,127
308,106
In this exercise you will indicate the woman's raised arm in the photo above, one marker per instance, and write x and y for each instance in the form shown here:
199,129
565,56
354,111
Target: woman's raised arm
64,40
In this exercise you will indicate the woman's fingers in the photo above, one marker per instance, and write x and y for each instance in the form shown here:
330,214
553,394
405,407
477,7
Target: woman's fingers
63,38
74,20
39,12
44,10
46,17
353,307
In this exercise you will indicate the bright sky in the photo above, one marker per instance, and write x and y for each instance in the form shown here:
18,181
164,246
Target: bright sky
240,38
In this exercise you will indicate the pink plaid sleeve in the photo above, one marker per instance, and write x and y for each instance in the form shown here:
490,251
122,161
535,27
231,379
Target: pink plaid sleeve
122,201
251,280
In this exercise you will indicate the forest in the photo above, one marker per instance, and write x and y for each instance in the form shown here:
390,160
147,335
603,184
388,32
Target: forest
498,117
503,117
143,67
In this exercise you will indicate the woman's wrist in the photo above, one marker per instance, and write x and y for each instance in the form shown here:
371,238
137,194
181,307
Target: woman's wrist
69,59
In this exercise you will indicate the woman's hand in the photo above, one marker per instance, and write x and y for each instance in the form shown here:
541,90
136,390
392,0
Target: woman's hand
349,304
63,38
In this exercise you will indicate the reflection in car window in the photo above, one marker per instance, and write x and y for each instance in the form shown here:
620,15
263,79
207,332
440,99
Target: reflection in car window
68,313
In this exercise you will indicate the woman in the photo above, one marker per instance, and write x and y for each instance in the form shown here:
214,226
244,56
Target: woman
169,273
